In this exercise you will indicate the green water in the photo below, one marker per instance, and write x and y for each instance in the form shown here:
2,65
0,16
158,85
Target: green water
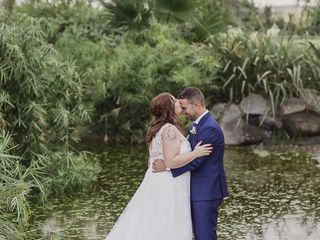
273,197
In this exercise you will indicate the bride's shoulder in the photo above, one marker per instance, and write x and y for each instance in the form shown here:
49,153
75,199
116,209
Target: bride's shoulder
168,126
170,132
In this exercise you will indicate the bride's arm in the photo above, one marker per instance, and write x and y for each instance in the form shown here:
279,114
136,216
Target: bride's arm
171,147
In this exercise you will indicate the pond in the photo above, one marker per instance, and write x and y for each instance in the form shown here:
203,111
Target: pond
272,196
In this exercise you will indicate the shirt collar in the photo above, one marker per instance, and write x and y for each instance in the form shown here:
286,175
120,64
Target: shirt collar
201,116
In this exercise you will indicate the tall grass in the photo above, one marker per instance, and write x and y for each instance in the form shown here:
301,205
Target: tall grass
274,66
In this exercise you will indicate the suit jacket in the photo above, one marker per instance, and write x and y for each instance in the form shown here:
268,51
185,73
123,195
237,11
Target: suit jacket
208,180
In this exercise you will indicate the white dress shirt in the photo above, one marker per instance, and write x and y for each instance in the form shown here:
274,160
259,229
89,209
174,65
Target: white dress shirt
201,116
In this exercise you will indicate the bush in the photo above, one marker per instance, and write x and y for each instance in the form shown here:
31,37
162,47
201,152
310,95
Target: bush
15,185
40,112
122,73
274,66
122,68
147,63
313,21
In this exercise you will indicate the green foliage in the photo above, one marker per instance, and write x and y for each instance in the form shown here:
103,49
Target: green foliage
128,13
314,20
122,69
212,17
274,66
174,10
198,19
41,108
137,14
137,72
73,68
74,172
7,4
121,75
13,189
313,62
79,19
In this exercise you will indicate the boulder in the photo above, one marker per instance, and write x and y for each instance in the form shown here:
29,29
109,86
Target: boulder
231,124
312,100
315,105
235,129
268,123
302,124
254,104
310,141
253,134
219,109
293,105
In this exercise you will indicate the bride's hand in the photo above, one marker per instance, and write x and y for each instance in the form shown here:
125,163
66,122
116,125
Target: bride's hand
202,150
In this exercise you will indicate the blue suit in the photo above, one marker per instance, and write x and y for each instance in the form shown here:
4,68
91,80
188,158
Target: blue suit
208,180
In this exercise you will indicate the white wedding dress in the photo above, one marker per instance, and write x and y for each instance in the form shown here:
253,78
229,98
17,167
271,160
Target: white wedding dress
160,208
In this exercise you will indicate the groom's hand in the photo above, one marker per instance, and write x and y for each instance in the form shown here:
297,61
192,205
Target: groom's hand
159,166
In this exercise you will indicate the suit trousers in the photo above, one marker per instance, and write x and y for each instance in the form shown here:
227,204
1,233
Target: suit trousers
205,219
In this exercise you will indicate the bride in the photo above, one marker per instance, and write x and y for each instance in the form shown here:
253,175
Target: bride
160,208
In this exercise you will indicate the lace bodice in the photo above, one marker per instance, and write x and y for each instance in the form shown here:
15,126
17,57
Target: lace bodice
156,150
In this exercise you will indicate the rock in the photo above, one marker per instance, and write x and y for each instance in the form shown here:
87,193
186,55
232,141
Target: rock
302,124
254,104
230,123
310,141
312,100
229,117
253,134
270,123
218,110
235,129
293,105
226,112
315,105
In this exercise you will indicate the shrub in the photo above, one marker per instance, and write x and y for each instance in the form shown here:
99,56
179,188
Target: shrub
269,64
144,64
40,112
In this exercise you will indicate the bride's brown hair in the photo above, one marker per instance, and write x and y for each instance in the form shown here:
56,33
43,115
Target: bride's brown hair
162,108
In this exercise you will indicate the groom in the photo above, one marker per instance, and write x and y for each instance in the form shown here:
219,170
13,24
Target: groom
208,180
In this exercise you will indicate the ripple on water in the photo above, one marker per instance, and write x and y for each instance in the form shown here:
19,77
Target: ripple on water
316,156
273,197
293,227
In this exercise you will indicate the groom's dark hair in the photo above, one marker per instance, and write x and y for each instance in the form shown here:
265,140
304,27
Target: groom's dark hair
193,95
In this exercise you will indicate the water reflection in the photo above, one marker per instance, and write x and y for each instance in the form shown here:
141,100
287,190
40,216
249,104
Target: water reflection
51,228
289,227
273,197
316,156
